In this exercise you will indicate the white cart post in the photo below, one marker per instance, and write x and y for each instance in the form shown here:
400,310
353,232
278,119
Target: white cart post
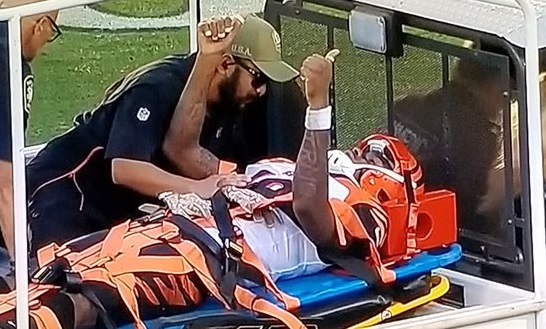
19,178
195,17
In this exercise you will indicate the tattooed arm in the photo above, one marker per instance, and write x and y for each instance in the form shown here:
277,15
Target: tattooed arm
310,185
181,144
310,188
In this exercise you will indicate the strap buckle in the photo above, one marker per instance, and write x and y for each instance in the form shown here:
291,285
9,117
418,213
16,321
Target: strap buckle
53,273
233,250
157,216
42,275
233,253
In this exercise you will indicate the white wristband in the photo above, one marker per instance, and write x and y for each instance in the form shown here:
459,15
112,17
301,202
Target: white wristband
319,119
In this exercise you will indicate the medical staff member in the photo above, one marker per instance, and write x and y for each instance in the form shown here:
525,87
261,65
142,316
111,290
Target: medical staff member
116,157
36,32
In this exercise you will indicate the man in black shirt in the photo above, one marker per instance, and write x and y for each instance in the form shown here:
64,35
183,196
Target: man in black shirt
117,157
36,31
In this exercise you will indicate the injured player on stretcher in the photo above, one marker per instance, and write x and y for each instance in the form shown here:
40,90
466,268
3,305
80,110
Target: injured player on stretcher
357,209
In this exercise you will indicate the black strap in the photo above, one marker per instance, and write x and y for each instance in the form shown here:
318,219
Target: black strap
226,276
356,267
213,254
222,217
193,232
60,274
53,273
408,185
103,314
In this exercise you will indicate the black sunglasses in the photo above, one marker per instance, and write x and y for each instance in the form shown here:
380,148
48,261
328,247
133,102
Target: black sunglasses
56,30
259,79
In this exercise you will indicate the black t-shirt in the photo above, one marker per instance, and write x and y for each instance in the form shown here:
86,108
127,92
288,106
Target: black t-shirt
132,127
5,95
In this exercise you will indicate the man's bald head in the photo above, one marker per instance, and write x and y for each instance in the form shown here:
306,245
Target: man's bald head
36,30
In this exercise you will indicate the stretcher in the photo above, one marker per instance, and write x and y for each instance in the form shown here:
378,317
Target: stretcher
330,299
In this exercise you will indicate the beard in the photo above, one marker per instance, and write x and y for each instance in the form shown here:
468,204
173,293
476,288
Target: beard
227,103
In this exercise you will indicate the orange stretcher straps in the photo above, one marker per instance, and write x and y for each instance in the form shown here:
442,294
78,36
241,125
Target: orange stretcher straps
248,257
250,301
126,263
45,318
46,254
98,274
114,240
8,301
195,257
412,227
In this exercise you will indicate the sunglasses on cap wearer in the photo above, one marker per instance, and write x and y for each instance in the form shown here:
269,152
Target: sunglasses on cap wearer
259,79
56,30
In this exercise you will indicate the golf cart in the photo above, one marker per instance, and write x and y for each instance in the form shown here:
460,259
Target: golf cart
391,50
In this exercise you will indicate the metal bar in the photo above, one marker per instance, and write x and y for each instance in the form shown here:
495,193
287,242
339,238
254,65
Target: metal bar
42,7
445,69
337,4
536,185
195,17
330,45
505,3
18,159
467,316
310,16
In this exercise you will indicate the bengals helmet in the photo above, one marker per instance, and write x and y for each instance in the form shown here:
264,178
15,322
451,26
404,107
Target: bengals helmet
381,165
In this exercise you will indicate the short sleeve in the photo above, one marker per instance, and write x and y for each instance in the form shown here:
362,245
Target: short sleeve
139,125
5,97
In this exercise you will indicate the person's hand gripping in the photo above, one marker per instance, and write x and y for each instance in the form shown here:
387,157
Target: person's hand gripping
216,35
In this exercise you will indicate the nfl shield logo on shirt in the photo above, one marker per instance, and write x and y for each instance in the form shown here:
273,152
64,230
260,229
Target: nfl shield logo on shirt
143,114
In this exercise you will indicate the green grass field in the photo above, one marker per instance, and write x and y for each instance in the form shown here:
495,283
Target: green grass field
73,72
71,75
143,8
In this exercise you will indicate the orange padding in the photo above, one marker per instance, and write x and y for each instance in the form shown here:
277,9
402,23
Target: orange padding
45,318
42,315
116,261
226,167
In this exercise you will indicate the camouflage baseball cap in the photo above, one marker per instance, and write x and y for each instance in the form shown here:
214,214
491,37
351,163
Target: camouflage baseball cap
259,42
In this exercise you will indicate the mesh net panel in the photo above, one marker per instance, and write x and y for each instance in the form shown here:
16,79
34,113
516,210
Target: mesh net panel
359,78
418,71
300,39
360,87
